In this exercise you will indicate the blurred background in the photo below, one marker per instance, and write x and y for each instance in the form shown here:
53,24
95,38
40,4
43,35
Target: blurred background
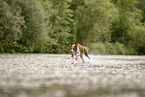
48,26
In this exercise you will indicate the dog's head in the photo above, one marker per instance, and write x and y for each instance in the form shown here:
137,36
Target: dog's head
73,48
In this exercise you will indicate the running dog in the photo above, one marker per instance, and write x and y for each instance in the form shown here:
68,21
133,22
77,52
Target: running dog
78,50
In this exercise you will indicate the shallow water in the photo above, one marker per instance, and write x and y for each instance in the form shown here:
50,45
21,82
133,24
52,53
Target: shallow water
48,75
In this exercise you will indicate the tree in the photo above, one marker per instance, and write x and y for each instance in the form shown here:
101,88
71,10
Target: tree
11,21
137,35
128,16
60,22
35,33
141,5
93,21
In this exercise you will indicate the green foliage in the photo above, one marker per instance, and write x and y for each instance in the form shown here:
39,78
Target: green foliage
137,36
60,22
94,20
35,32
107,26
128,16
111,48
141,5
12,47
11,21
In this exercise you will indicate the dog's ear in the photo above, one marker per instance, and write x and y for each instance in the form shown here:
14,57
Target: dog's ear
77,44
69,45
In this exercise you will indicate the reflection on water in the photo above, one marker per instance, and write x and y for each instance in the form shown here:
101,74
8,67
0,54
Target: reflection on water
45,75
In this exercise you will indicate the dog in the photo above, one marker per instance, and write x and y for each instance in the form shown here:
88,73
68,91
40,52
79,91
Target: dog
78,50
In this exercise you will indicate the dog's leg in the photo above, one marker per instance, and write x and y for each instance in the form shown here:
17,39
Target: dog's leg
88,56
73,59
82,57
76,58
77,55
86,52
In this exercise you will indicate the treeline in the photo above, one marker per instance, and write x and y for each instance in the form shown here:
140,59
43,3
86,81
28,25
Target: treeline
48,26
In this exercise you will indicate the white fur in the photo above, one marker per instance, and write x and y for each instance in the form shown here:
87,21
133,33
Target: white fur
75,54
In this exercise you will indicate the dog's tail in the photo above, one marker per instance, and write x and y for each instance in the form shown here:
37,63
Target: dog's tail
86,52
